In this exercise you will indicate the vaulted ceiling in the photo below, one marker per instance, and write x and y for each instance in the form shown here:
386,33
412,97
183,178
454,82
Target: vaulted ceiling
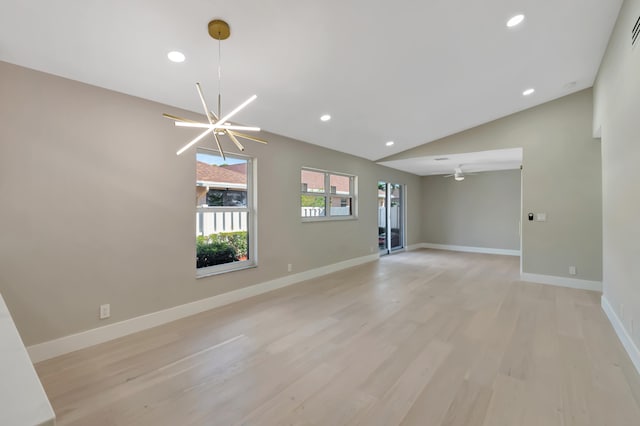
404,71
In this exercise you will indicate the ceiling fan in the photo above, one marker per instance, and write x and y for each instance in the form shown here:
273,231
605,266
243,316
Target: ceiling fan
458,174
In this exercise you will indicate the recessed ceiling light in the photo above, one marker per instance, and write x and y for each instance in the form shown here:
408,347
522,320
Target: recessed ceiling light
325,117
176,56
528,92
515,20
390,143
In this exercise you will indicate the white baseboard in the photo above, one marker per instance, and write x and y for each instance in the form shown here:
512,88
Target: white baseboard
562,281
621,331
467,249
74,342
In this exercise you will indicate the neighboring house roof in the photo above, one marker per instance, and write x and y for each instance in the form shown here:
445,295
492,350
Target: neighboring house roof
316,180
240,167
212,173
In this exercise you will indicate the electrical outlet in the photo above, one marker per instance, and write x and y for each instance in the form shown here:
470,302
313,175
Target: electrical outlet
105,311
289,267
572,270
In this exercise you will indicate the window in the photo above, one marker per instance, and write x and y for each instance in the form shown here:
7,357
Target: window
224,213
327,195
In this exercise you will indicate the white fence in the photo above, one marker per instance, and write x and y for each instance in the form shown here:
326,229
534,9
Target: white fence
319,211
208,223
395,217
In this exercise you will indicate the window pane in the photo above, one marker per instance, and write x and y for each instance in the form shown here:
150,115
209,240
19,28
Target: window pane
221,238
312,205
220,183
340,185
226,198
341,206
312,181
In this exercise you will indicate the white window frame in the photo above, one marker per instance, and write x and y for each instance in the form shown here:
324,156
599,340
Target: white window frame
327,194
252,222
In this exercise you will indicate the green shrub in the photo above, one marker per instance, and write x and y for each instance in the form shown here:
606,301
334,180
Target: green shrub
224,247
214,253
237,240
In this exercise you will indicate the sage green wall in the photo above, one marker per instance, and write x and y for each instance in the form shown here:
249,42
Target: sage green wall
97,208
561,177
481,211
617,115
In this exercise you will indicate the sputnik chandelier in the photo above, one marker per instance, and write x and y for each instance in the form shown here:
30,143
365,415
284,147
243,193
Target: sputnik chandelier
217,124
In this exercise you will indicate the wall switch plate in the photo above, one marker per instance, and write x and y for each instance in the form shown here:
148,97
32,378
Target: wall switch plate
105,311
572,270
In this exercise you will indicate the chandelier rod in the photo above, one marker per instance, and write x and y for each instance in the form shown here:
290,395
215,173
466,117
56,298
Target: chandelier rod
219,75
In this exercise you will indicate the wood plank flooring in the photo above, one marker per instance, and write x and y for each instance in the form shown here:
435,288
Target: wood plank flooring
419,338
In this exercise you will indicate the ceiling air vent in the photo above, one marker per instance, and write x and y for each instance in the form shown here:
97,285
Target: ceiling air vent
635,32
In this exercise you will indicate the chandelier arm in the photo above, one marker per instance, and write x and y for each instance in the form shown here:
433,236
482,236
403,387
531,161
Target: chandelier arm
196,125
204,104
251,138
196,140
234,127
235,140
238,108
219,146
176,118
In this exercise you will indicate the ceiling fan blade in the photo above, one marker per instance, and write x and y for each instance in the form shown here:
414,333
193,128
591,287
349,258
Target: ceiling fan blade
215,136
235,140
196,140
251,138
176,118
448,175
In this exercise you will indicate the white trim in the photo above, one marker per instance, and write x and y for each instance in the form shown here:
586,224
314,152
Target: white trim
74,342
485,250
562,281
621,331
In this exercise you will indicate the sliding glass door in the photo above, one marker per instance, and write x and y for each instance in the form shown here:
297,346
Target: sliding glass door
390,217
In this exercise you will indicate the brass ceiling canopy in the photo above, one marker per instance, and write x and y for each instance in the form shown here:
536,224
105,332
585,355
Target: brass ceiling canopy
219,29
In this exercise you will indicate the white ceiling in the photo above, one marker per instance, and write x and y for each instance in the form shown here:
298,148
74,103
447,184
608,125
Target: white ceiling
408,71
482,161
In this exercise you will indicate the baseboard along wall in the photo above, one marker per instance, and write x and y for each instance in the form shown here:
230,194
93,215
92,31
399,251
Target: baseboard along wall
621,331
467,249
63,345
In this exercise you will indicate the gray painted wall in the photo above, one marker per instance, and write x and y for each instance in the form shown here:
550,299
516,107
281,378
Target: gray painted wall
561,177
481,211
113,219
617,115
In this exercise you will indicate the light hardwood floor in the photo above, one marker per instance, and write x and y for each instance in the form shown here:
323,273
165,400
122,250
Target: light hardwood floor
420,338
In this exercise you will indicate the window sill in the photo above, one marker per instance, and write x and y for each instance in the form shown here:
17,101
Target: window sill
204,273
327,219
